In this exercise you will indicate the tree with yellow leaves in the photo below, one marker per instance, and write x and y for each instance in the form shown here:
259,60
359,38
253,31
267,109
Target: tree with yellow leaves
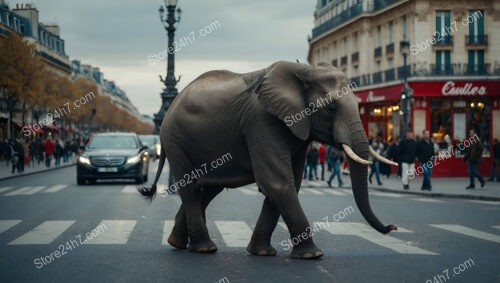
20,76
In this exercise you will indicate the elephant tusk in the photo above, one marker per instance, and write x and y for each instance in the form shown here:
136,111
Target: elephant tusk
354,156
381,158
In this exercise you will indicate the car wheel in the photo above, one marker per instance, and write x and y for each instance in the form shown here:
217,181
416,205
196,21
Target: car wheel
92,181
80,180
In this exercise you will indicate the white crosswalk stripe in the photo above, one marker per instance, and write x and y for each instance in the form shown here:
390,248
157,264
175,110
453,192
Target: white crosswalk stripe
7,224
369,234
44,233
167,228
111,232
18,191
334,192
248,191
33,190
314,191
130,189
382,194
4,189
235,233
55,189
484,202
468,232
428,200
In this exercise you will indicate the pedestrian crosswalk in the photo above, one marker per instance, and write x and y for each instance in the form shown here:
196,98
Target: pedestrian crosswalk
231,234
308,189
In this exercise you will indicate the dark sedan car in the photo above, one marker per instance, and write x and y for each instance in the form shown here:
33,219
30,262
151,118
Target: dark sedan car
113,156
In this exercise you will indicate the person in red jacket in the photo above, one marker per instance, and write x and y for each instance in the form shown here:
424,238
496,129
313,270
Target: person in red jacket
322,160
48,148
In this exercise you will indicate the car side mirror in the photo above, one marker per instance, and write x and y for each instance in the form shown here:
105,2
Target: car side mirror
144,147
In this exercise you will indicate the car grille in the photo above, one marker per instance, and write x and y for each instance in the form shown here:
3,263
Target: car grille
107,161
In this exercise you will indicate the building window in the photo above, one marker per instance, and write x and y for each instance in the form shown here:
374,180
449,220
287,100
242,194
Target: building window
476,28
443,62
405,27
475,62
442,22
391,32
479,120
345,46
379,36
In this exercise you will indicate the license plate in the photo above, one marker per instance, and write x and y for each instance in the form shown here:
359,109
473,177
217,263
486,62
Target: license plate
107,169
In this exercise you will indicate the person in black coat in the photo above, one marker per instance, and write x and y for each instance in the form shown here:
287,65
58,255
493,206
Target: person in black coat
425,152
495,164
407,150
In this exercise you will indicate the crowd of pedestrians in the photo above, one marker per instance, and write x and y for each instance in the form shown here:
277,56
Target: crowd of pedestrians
405,152
21,153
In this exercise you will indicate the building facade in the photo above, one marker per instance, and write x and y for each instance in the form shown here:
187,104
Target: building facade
453,67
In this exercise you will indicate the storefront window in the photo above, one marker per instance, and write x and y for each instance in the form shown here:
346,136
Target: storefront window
441,123
479,120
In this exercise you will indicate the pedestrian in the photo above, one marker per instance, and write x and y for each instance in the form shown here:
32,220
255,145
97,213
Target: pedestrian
425,151
33,153
407,148
334,157
376,145
312,161
495,164
58,152
66,151
322,159
392,153
14,156
39,150
48,148
474,154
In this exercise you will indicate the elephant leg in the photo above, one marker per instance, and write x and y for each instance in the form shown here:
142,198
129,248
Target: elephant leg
179,236
260,243
278,184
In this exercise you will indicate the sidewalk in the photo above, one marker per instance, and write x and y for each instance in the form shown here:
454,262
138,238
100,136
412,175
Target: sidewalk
5,171
441,187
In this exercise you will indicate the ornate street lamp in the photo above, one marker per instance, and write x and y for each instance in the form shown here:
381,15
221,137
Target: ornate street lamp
406,92
170,91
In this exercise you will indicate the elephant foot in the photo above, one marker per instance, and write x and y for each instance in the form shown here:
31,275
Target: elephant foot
309,251
203,247
176,243
262,249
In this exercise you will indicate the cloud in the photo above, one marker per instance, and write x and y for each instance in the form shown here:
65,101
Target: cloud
118,36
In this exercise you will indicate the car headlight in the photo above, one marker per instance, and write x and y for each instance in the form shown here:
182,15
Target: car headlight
84,160
133,159
158,149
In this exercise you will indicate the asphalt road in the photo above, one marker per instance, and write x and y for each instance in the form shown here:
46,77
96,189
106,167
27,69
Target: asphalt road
44,219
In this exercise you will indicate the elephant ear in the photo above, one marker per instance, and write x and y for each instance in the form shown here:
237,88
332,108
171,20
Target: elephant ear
281,92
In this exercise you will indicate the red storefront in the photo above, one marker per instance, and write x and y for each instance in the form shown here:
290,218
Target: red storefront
447,108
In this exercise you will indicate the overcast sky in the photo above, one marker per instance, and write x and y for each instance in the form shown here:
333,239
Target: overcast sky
118,36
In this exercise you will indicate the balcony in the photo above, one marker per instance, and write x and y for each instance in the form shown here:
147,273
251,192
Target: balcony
476,40
477,69
377,77
343,60
441,70
402,72
390,75
335,63
378,52
443,40
355,57
389,49
356,80
349,14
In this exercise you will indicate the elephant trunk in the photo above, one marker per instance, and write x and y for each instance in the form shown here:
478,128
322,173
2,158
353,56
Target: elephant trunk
359,174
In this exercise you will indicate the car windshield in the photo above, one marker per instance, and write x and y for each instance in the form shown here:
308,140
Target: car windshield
150,140
113,142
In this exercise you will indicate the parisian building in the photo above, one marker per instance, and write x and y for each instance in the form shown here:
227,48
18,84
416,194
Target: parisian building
453,68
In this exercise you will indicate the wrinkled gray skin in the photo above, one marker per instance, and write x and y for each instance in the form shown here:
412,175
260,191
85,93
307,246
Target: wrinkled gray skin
244,114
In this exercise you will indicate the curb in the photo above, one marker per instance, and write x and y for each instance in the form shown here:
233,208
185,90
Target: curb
37,172
438,195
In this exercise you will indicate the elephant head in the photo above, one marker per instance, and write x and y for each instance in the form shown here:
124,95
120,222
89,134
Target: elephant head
316,103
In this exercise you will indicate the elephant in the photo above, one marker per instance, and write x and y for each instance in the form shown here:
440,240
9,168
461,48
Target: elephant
264,119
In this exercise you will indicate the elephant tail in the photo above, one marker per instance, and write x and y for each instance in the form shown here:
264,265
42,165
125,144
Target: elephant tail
150,193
